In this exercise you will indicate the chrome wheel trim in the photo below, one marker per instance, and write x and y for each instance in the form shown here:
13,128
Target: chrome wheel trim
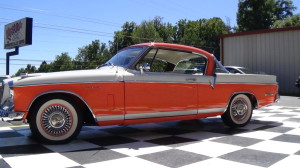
43,112
56,120
240,109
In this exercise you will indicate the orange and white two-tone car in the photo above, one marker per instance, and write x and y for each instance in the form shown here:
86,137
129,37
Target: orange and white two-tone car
150,82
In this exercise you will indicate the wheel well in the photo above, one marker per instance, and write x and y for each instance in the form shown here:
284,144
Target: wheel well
88,118
251,96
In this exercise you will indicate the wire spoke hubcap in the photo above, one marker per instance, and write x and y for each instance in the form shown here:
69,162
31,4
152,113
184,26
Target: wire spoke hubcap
239,109
56,120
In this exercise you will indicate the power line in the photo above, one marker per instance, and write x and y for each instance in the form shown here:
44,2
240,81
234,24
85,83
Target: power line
33,60
20,64
77,30
28,60
78,18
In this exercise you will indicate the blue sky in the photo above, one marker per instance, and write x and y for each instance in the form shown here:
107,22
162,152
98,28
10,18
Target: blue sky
66,25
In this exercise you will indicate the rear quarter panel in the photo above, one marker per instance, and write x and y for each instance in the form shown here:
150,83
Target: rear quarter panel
263,87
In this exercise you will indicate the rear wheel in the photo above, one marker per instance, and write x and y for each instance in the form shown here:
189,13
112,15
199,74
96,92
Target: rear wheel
239,111
56,120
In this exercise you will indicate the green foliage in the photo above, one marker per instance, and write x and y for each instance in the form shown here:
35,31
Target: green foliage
122,38
28,69
261,14
44,67
146,32
62,62
92,55
288,22
203,33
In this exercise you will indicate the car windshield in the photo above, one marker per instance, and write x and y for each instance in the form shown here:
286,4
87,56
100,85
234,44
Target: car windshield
124,58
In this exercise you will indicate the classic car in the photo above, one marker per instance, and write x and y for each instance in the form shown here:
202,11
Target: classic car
150,82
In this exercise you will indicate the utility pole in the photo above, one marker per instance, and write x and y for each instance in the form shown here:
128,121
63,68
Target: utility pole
16,52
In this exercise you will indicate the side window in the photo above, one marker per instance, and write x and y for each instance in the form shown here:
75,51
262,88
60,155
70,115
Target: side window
171,61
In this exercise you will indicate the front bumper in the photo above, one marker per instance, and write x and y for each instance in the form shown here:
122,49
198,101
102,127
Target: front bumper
8,114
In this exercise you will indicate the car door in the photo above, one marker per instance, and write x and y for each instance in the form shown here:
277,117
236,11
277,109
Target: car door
163,84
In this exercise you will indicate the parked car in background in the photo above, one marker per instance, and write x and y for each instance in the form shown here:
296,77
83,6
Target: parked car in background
297,84
2,77
150,82
238,70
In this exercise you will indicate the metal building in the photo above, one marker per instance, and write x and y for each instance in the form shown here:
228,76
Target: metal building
272,51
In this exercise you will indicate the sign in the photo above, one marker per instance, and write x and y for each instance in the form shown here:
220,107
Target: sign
18,33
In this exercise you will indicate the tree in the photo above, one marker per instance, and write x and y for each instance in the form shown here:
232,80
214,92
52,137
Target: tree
284,9
62,62
122,38
288,22
44,67
213,28
203,33
146,32
92,55
165,30
179,30
29,69
261,14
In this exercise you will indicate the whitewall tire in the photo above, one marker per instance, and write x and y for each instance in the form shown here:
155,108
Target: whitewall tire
239,111
56,121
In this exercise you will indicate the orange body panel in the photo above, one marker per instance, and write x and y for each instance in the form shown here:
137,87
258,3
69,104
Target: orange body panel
102,98
160,97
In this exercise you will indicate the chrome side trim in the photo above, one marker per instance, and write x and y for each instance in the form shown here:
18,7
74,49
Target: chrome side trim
158,114
66,83
110,118
213,110
62,91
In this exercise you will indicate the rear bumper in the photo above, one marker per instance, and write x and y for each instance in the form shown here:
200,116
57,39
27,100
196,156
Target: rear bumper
277,97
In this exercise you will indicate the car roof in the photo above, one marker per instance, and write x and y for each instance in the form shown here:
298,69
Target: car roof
174,46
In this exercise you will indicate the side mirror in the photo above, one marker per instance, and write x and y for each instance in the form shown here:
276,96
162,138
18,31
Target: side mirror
145,67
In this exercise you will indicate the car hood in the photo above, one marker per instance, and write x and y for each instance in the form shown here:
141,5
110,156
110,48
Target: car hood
103,74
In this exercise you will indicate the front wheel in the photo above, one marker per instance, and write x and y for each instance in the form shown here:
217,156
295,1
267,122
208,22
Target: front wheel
56,120
239,111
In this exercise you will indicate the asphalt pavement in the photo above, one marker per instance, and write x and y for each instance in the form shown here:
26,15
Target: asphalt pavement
286,101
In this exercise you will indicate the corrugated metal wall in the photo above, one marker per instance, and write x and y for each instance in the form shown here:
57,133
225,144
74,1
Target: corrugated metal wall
276,53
